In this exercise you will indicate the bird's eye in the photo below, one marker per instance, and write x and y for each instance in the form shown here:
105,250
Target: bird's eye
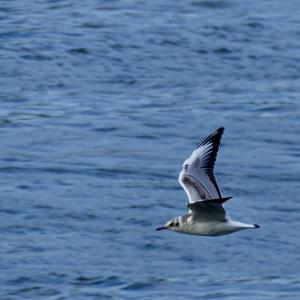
186,166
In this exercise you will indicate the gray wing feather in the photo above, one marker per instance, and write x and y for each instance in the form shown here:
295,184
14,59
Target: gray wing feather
207,211
197,176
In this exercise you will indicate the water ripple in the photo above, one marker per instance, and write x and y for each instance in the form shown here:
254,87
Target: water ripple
102,102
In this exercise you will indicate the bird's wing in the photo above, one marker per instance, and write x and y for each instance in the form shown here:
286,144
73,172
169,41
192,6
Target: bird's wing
197,176
208,211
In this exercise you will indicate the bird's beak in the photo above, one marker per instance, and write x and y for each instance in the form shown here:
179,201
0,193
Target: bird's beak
161,228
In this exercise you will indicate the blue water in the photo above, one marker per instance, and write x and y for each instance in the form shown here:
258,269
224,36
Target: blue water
100,103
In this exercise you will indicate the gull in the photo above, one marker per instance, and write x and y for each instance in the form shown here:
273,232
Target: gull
206,215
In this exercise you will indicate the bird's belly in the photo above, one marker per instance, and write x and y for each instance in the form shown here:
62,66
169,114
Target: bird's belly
208,229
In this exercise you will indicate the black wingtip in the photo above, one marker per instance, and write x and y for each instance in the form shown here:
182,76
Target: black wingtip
217,201
214,138
256,226
219,131
220,200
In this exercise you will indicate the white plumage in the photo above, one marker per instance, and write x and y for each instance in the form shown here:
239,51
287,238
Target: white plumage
206,215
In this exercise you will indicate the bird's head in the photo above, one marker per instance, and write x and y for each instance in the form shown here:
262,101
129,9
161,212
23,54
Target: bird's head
174,224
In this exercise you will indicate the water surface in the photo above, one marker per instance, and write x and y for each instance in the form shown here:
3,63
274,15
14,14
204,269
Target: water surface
101,101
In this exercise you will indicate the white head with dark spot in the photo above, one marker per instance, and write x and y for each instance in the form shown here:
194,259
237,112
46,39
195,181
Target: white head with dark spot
174,224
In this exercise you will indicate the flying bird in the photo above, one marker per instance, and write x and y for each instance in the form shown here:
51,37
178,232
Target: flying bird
206,216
